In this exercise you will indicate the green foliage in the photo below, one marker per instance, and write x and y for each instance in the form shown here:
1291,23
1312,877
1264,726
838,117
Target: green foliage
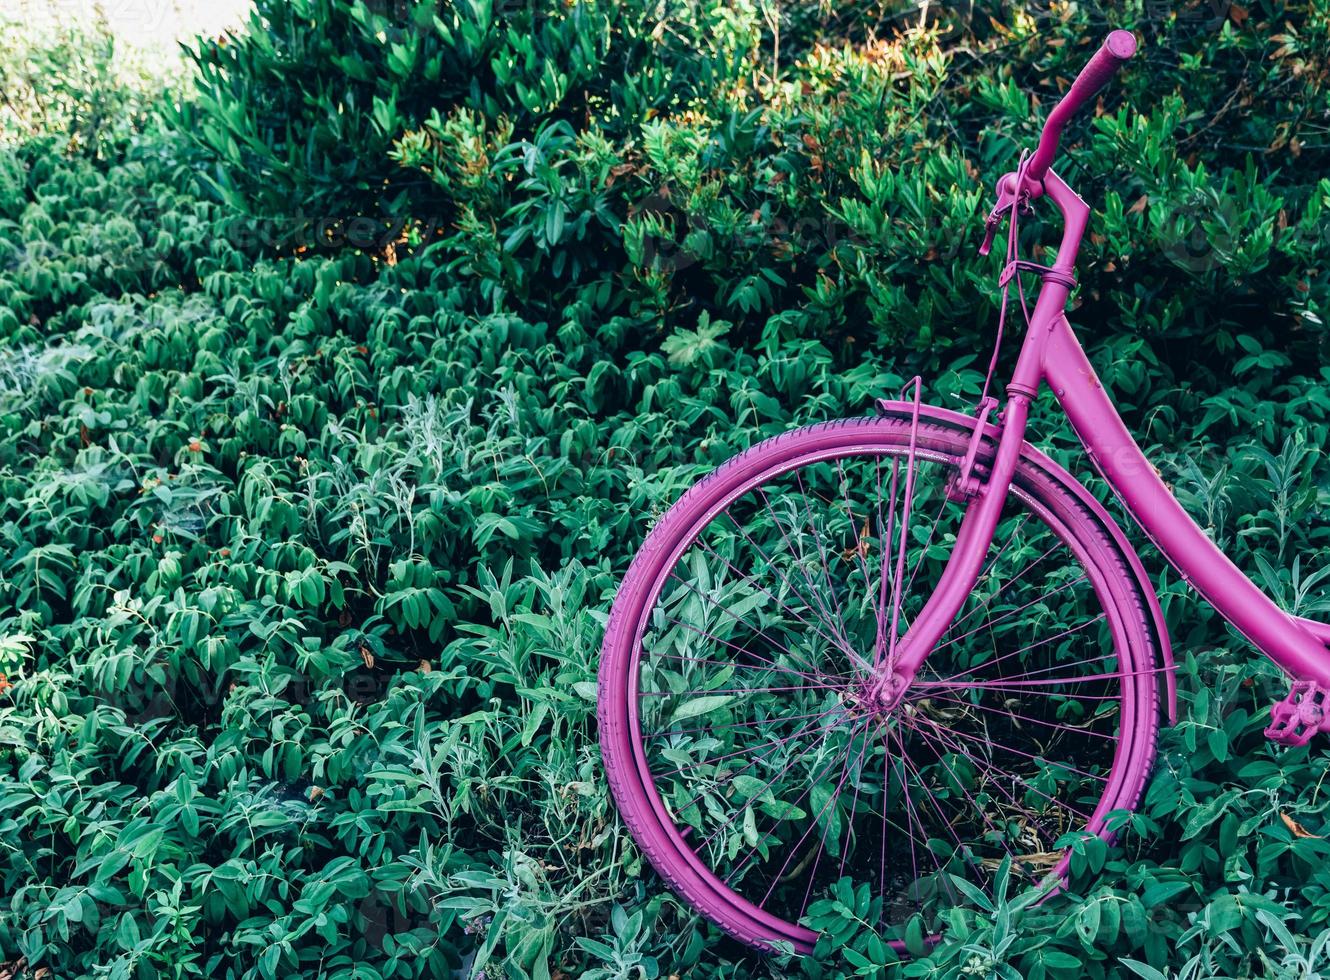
73,84
371,71
686,162
308,529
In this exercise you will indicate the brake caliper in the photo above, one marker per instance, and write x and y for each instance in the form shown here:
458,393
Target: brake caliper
1304,711
964,484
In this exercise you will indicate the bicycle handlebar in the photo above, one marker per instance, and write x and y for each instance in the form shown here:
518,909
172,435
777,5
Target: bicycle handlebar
1118,48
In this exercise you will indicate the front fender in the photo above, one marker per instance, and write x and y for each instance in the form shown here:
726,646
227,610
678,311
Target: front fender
1033,456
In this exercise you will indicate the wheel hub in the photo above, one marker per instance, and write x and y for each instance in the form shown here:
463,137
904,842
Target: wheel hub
875,698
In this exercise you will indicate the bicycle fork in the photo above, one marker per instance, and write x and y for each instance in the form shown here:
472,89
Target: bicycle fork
893,675
895,671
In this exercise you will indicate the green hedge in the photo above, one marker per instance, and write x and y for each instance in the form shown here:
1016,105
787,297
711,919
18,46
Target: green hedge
562,154
337,398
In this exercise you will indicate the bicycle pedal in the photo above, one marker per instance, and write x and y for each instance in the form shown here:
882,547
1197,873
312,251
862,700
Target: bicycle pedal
1303,712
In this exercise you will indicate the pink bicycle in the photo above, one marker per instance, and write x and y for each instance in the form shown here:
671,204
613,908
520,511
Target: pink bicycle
906,649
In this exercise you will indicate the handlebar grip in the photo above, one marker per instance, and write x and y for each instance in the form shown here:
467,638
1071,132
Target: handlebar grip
1117,49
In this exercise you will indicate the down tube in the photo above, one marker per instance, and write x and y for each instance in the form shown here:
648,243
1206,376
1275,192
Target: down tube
1207,569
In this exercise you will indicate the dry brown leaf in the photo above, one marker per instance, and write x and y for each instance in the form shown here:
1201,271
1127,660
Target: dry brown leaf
619,170
861,549
1041,859
1141,203
1298,829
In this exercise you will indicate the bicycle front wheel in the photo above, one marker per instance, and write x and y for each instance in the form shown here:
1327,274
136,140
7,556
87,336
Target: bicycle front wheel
741,737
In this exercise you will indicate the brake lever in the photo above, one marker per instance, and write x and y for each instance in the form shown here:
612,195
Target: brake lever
1007,200
991,224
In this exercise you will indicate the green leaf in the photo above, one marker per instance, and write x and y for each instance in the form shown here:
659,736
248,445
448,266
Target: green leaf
694,707
1087,923
1144,970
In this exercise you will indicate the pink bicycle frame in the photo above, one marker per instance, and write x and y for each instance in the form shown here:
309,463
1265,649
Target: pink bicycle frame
1051,354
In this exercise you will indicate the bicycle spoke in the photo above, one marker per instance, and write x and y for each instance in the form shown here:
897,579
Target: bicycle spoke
854,524
811,783
1025,686
1006,713
834,642
885,536
738,619
804,730
736,690
899,574
1011,775
1006,584
823,610
990,742
1007,615
943,735
831,800
772,665
664,732
846,830
914,811
822,557
974,804
854,806
776,743
1027,648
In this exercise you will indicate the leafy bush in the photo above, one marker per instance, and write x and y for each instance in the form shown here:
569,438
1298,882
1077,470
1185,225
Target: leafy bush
73,84
371,71
816,203
309,528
